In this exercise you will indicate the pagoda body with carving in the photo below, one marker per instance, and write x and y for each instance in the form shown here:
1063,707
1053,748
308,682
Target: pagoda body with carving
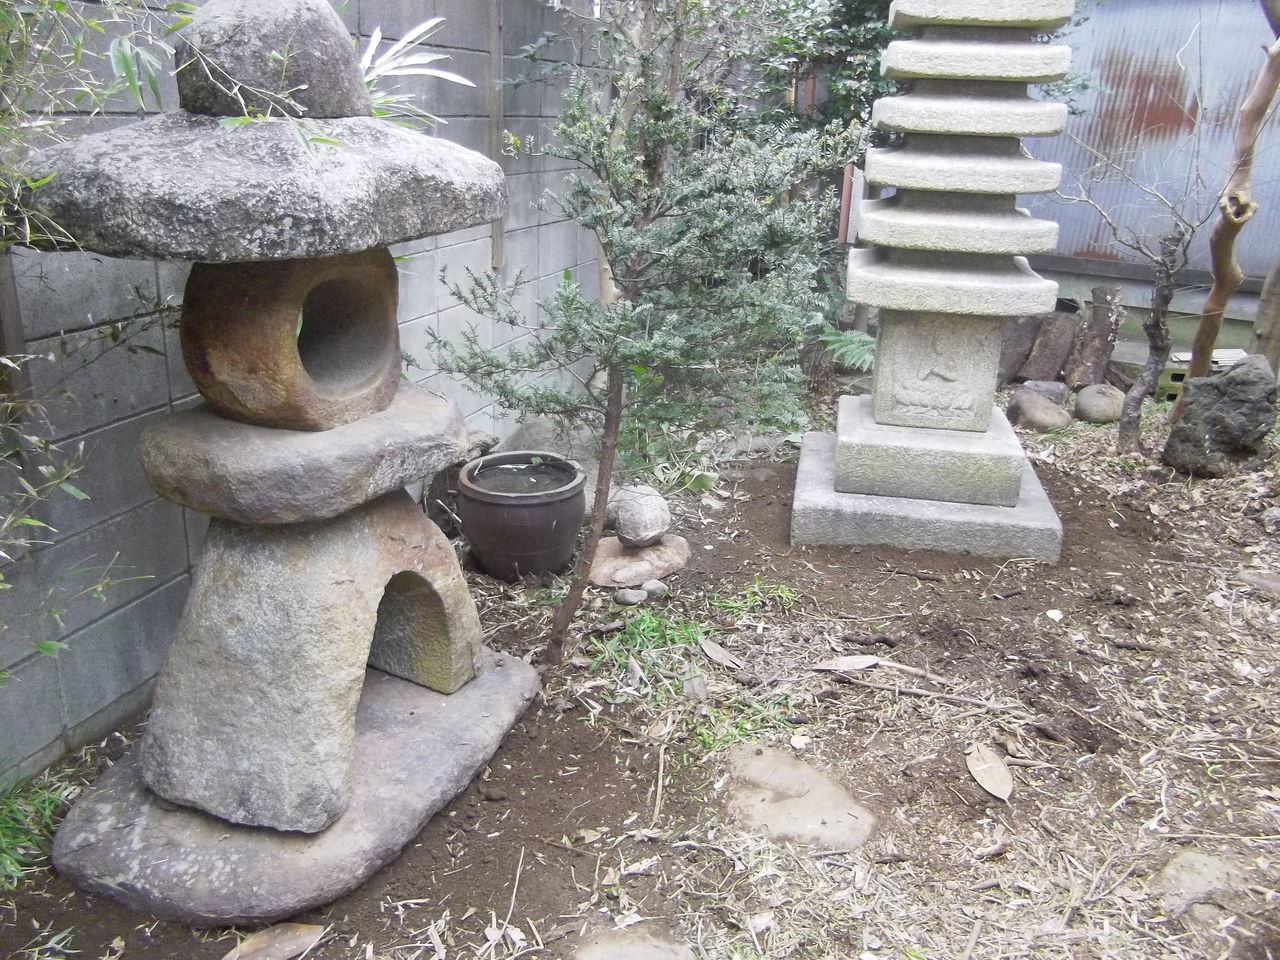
926,461
326,691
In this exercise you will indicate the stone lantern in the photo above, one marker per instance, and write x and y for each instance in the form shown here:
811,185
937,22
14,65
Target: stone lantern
926,461
326,691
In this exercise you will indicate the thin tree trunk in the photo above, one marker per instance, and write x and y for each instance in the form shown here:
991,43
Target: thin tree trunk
567,607
1266,327
1156,327
1236,207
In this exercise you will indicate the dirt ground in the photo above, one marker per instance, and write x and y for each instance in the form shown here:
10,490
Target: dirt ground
1132,689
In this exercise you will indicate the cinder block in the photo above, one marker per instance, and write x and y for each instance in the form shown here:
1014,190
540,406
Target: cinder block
521,91
96,380
456,322
419,284
23,611
119,653
558,248
16,772
112,477
444,98
30,709
454,262
349,10
72,291
522,24
417,342
197,525
524,192
471,132
94,728
521,253
139,550
181,386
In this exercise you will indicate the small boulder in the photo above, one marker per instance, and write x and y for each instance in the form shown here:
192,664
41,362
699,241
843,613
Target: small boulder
639,515
1036,412
1054,390
629,598
1225,420
1099,403
655,589
617,565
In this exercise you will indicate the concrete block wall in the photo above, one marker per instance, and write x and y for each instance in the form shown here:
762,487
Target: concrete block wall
121,317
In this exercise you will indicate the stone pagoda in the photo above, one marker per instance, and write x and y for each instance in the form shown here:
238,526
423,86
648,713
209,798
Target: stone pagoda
926,461
326,691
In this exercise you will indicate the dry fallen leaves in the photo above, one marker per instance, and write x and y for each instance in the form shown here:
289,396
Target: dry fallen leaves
284,941
990,770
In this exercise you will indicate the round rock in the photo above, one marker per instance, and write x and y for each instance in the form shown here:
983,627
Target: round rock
258,475
630,598
655,589
246,57
1035,412
639,515
193,190
1099,403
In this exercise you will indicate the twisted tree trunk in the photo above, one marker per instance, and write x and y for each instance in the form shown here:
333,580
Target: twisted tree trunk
1156,327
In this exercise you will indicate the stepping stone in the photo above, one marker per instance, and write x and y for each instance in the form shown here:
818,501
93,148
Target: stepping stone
632,944
773,793
617,565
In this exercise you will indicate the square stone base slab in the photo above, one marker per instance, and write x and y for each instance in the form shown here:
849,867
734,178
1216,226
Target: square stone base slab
822,517
955,465
415,751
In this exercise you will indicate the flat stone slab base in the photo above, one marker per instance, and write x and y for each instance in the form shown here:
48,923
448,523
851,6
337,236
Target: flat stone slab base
415,751
822,517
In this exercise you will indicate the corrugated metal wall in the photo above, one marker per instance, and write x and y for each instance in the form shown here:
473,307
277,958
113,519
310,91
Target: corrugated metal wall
1168,77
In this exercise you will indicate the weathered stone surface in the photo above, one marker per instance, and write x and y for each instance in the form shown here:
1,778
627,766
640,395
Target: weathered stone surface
1266,582
1225,420
954,283
1053,344
632,943
240,57
787,799
629,598
943,58
253,719
962,164
655,589
1095,341
967,223
823,517
1040,14
1054,390
251,474
617,565
1099,403
954,465
192,190
295,344
935,371
961,108
1193,877
121,841
1018,335
638,514
1036,412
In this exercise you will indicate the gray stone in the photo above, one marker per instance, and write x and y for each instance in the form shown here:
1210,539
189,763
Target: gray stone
921,220
121,841
1018,335
240,57
1270,519
251,474
963,165
935,371
629,598
954,465
1099,403
823,517
916,280
617,565
1052,347
638,514
633,943
1266,582
1054,390
1225,420
655,589
1193,878
968,108
254,711
1036,412
941,58
1039,14
786,799
193,190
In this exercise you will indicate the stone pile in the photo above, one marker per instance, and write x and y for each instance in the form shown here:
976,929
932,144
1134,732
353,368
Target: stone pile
642,552
926,461
308,720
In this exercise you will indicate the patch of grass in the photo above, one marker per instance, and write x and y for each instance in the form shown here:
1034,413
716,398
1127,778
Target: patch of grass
28,813
654,655
758,597
739,720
